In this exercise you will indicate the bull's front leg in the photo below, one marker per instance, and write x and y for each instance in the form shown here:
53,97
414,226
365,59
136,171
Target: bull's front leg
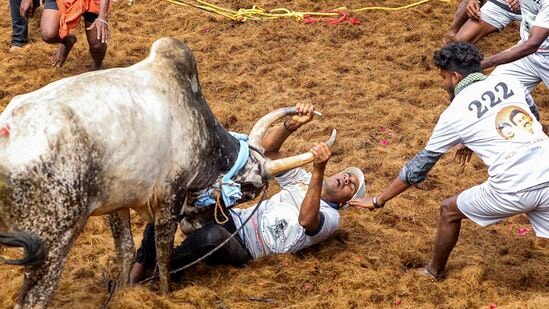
123,242
165,227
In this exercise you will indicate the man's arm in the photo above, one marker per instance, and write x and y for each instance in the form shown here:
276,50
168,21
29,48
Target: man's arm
414,172
101,22
537,37
309,213
274,138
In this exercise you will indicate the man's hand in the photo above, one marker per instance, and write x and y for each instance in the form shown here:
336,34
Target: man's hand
322,154
26,9
463,154
103,32
514,5
363,203
304,114
473,9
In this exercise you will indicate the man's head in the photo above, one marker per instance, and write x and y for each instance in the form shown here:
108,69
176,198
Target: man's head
522,120
344,186
457,60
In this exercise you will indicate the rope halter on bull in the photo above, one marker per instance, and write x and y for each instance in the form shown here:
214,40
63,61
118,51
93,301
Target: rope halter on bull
269,168
225,188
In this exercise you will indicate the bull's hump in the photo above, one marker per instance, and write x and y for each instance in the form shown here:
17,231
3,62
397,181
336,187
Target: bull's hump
169,54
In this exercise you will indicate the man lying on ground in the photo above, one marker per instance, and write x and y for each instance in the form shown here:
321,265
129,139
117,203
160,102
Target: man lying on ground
304,213
492,117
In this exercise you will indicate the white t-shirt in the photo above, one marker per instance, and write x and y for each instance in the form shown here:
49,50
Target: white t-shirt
535,13
275,226
493,119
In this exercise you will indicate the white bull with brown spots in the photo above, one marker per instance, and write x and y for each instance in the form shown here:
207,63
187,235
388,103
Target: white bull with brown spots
141,137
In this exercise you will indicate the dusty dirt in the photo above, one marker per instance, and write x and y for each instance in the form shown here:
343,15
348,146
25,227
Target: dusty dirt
368,80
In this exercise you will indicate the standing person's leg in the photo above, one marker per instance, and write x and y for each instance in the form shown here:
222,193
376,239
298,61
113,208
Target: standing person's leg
97,48
539,215
481,204
49,29
449,225
19,34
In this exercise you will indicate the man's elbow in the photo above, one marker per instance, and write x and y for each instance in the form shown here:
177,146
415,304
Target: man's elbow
309,223
531,47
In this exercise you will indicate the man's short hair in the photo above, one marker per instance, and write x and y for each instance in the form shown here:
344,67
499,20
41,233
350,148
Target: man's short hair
460,57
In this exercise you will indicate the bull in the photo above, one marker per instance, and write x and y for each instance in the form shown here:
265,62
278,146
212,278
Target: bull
141,137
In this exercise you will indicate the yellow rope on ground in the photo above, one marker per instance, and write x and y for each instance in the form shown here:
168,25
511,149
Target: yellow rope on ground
258,13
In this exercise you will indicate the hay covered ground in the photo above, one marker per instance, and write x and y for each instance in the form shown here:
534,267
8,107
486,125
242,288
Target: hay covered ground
372,81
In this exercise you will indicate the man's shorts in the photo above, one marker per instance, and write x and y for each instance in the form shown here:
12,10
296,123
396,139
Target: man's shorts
529,70
483,205
52,5
498,15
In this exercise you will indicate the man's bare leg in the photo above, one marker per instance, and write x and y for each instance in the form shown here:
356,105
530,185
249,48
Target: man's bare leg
97,48
49,28
460,17
449,226
474,30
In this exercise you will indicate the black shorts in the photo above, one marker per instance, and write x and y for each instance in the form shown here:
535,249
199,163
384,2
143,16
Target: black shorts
52,5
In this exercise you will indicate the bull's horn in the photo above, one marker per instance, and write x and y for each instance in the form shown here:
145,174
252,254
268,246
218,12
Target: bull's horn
275,167
261,126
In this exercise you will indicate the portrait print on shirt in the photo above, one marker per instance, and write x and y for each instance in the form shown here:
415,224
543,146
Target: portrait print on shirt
515,124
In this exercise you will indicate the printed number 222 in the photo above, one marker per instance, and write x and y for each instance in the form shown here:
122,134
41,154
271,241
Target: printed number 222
490,97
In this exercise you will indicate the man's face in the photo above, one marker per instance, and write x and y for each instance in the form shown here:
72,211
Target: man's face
523,121
449,82
507,131
340,187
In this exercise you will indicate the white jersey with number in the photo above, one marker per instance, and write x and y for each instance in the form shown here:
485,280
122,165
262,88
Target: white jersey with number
492,118
535,13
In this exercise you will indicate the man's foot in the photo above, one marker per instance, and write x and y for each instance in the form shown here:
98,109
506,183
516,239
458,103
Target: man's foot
63,51
449,37
15,49
426,271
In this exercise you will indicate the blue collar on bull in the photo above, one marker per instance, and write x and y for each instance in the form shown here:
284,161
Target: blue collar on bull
230,190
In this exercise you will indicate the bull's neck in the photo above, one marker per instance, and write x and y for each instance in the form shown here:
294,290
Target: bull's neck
221,154
227,148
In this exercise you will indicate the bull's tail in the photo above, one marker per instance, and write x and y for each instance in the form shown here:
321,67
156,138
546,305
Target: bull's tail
35,251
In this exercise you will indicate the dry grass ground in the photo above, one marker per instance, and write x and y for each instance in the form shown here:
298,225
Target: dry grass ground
367,80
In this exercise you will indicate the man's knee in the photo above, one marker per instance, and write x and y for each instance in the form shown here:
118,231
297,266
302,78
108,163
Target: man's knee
49,35
215,235
449,212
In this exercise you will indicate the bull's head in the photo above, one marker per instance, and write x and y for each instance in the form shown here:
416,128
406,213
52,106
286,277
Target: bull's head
257,171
